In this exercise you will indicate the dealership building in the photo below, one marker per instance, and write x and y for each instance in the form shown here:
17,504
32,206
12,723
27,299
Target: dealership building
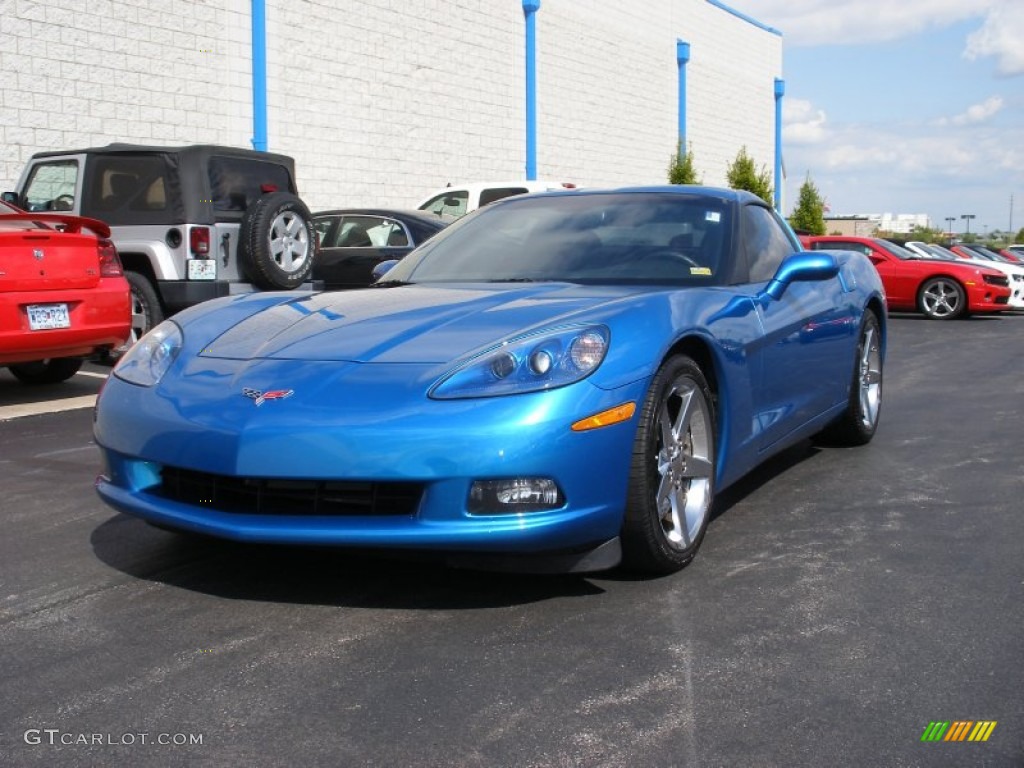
381,102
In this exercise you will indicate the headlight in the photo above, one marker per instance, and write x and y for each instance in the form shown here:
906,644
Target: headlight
150,357
541,361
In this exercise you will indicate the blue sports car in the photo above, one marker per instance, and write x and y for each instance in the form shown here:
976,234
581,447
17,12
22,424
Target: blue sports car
558,381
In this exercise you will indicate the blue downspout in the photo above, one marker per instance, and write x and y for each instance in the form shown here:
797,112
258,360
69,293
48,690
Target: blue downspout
682,56
530,8
780,91
259,75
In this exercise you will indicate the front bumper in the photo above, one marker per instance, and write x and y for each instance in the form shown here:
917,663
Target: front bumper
394,435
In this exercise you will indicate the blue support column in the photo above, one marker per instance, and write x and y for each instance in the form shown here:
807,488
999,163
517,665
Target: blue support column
682,57
780,91
530,8
259,75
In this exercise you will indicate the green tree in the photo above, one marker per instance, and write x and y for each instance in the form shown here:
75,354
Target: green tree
1020,236
680,167
809,214
742,174
927,234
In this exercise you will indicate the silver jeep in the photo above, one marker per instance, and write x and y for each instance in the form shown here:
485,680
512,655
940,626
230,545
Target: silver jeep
190,223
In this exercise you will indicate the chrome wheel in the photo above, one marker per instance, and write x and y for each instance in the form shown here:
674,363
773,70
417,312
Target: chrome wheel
869,377
672,474
942,299
289,242
684,465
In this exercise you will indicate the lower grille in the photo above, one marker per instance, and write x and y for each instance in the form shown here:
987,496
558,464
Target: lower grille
258,496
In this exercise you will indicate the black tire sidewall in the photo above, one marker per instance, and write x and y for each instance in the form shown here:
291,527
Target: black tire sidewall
645,546
52,371
143,291
254,253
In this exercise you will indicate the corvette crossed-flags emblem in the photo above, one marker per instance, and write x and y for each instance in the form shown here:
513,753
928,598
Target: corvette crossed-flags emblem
259,398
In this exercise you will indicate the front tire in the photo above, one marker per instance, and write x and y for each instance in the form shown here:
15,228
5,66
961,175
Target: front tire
672,473
859,421
51,371
942,298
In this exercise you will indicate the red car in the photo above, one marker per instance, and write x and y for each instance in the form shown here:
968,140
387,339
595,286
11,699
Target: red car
63,295
941,290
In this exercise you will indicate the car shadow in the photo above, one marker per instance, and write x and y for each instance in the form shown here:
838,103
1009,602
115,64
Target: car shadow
317,575
363,578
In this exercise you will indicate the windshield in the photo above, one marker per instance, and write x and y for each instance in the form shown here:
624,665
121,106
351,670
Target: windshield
897,250
619,238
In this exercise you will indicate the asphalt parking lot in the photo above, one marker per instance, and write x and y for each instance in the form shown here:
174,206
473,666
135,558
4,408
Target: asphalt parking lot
843,600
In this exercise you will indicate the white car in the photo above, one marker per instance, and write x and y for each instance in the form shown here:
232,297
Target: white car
460,200
1012,271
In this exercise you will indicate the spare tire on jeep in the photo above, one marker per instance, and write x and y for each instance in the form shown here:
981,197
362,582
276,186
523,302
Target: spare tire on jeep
277,241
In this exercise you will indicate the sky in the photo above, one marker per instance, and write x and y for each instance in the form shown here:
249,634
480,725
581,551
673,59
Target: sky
904,106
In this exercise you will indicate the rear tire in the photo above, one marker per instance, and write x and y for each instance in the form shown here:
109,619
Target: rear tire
278,242
147,313
672,473
859,421
51,371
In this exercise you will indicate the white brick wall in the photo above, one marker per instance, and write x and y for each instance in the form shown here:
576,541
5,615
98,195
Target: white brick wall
381,101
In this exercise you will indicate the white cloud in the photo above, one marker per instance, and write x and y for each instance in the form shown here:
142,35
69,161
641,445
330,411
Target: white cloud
855,22
977,113
802,122
1001,36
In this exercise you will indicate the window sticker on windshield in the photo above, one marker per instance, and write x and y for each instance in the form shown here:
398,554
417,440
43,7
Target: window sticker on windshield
713,216
700,271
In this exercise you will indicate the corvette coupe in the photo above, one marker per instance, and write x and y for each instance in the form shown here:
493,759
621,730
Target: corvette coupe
555,382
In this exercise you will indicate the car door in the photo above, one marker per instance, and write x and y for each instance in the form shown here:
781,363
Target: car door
353,245
805,353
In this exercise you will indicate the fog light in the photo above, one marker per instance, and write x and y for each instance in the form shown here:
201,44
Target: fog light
518,494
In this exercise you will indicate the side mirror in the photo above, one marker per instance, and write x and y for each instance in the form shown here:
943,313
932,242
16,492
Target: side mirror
382,269
802,267
10,197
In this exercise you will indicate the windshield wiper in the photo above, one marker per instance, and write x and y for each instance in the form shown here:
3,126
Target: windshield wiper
389,283
517,280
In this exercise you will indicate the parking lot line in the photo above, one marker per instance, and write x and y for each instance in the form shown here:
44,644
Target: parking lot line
9,412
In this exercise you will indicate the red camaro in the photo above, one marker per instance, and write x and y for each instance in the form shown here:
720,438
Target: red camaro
942,290
63,296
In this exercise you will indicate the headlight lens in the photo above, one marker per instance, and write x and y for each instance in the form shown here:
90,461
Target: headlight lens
148,360
540,361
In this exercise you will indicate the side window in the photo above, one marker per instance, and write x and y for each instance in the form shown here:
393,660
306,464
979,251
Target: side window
323,226
497,193
368,232
453,203
128,189
51,187
236,182
766,242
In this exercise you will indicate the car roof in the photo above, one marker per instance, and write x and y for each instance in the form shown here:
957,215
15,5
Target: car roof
202,150
407,213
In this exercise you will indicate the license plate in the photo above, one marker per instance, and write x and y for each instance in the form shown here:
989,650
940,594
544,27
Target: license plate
202,269
42,317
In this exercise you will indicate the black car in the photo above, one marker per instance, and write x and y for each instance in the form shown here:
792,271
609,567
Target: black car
353,241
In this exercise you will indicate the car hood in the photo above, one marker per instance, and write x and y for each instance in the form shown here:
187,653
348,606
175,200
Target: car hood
407,324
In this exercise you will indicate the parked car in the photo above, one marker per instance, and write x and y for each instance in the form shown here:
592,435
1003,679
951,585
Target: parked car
979,257
941,290
463,198
1016,250
354,240
556,381
190,223
63,296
